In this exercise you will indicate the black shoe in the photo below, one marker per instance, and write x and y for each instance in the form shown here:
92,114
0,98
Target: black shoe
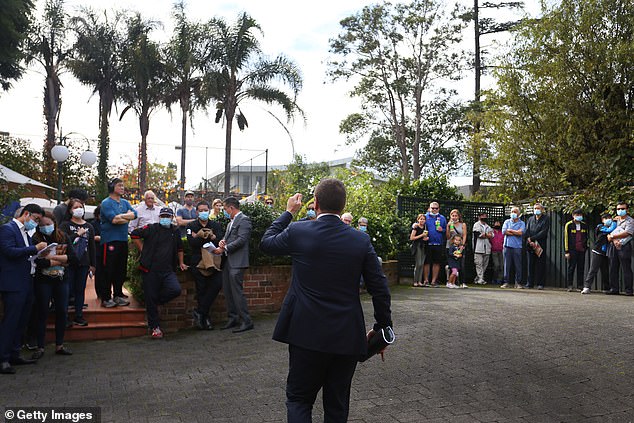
208,325
629,293
69,324
37,354
571,289
63,351
230,324
19,361
6,369
243,328
80,321
611,292
527,286
199,322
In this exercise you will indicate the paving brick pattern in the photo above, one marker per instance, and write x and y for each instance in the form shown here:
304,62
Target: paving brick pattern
478,355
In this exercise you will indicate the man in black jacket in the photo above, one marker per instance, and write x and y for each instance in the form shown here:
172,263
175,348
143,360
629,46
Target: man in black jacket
208,282
161,253
536,235
575,246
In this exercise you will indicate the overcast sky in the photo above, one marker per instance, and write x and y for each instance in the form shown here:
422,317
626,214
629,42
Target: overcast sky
299,30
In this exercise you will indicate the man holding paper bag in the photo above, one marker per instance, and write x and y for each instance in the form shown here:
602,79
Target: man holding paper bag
322,318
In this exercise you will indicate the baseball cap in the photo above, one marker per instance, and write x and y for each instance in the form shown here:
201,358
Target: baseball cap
166,211
189,192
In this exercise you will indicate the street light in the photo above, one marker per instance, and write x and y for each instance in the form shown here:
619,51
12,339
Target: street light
60,154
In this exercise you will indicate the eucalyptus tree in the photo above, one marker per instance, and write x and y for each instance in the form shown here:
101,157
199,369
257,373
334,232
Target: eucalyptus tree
97,63
143,81
186,55
48,46
15,20
241,72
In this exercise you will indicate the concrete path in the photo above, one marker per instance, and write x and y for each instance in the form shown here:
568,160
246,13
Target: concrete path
476,355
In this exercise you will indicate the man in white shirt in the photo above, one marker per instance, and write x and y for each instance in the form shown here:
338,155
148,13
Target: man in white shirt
482,233
147,212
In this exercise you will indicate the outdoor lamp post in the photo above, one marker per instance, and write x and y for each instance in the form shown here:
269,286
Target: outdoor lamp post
60,154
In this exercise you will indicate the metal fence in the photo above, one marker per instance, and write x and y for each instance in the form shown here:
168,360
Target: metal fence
554,249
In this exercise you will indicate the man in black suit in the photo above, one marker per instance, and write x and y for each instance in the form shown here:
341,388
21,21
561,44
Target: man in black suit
322,318
16,283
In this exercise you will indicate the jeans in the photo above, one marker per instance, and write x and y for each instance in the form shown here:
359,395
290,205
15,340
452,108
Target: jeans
598,261
46,288
77,284
159,288
512,261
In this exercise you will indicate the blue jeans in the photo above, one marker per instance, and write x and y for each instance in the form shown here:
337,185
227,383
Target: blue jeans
45,289
512,261
77,285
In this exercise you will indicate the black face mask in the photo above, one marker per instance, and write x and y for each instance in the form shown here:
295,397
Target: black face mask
497,227
483,219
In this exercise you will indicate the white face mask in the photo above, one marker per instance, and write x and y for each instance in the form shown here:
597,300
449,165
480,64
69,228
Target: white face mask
78,213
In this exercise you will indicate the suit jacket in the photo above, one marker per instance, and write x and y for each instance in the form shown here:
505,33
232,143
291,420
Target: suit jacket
237,240
15,269
322,309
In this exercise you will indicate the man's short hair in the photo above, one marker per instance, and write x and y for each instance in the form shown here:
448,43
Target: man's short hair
232,202
149,192
32,208
606,216
363,220
622,203
78,193
577,211
331,195
112,183
202,203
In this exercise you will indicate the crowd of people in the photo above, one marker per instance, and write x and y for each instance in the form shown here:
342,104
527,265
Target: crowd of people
440,243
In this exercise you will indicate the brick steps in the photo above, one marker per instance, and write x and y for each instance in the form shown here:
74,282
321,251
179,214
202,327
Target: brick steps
103,323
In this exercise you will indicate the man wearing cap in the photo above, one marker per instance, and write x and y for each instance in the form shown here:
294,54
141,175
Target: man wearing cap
161,254
186,214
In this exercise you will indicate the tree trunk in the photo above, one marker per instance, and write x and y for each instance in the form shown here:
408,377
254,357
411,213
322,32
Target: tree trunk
105,103
144,121
229,114
51,101
416,167
475,184
184,108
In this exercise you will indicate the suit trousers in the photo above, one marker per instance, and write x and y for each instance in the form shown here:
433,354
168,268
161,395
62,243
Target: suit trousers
481,262
207,289
159,288
598,262
309,371
577,261
232,280
621,259
17,309
536,267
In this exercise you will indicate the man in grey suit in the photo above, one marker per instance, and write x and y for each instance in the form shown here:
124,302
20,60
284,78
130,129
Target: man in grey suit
235,247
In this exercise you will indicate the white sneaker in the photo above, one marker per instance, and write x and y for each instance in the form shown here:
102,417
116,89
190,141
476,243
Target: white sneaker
585,291
464,286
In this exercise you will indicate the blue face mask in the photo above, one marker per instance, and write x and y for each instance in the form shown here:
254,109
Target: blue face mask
29,225
311,213
165,222
513,215
621,212
203,215
578,218
433,214
607,222
47,230
227,215
363,228
537,211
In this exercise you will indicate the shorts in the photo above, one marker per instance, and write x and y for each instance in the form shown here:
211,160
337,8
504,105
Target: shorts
436,254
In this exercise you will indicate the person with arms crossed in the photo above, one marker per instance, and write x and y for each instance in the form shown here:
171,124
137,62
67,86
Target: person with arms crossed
513,229
321,317
16,283
620,250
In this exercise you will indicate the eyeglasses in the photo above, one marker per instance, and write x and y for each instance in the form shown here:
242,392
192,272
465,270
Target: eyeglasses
434,208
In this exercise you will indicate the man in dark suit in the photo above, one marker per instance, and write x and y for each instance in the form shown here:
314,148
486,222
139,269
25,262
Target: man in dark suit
235,247
322,318
16,283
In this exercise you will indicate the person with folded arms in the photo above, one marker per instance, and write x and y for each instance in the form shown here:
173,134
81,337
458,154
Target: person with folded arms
620,250
513,230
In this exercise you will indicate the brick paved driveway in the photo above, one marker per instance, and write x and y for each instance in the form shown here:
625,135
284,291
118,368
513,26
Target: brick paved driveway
478,355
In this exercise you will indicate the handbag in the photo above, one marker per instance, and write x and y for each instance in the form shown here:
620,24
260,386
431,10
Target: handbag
377,343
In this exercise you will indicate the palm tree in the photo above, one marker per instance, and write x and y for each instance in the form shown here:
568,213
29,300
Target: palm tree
143,82
185,59
97,63
241,72
47,45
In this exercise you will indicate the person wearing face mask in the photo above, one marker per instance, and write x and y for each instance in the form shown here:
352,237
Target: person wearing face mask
598,257
186,214
161,254
147,212
51,282
82,237
620,251
16,283
310,212
513,230
436,226
497,255
575,246
536,235
208,281
363,224
482,234
59,212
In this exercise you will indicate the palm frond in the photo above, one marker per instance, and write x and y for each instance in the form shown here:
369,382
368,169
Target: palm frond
281,68
272,95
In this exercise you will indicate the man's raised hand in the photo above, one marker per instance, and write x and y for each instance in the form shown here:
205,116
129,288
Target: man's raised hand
294,204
